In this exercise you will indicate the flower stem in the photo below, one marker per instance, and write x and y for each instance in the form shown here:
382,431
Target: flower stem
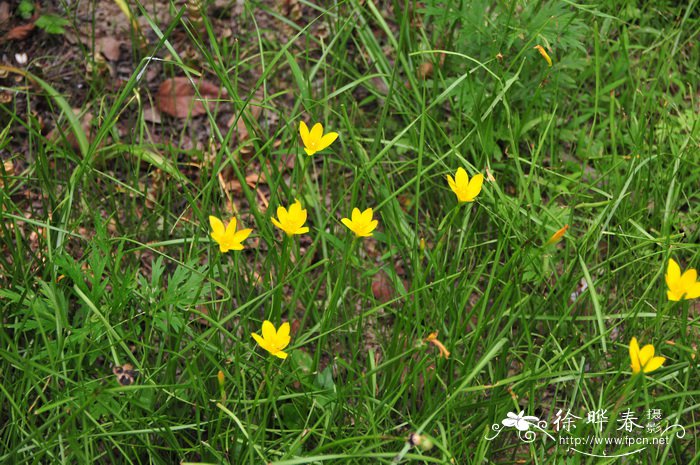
284,258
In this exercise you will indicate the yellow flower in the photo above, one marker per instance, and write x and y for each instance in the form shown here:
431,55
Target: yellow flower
543,52
272,340
683,286
465,190
314,140
643,360
227,237
432,338
292,221
362,223
556,237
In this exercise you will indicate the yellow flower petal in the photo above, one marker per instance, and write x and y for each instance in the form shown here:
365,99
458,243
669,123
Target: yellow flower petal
258,339
304,132
217,226
268,330
282,340
681,286
242,235
327,140
693,291
282,214
673,273
283,332
451,183
653,364
280,354
276,223
231,227
316,134
461,178
475,186
646,354
634,355
688,278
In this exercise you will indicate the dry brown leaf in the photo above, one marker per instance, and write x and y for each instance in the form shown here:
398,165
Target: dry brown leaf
20,32
287,161
202,320
425,70
176,97
255,178
4,12
232,185
9,170
153,72
291,9
109,47
151,115
294,327
382,288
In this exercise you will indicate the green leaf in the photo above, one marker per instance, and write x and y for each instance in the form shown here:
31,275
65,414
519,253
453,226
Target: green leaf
25,9
52,24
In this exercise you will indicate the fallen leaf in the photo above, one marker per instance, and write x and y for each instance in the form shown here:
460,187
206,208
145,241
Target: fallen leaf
151,115
255,178
291,9
232,185
296,324
4,12
382,288
287,161
202,320
109,47
177,97
425,70
20,32
9,171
